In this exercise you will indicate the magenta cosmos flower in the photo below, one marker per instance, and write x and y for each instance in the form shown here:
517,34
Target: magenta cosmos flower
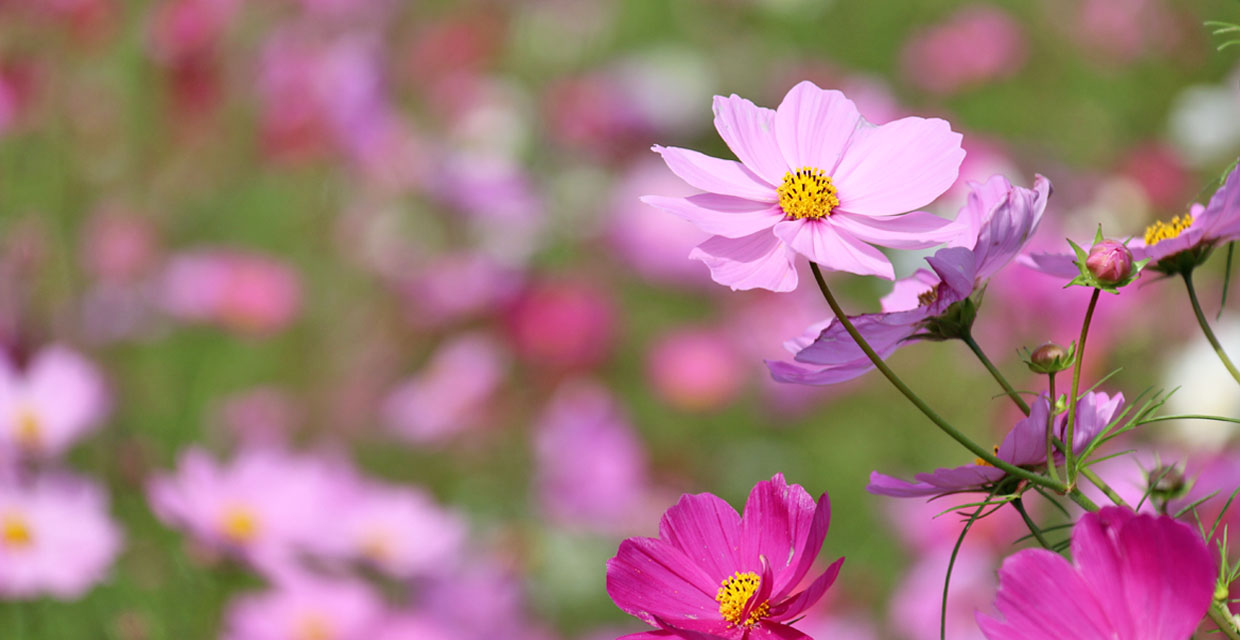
1135,577
816,179
712,573
995,223
1024,446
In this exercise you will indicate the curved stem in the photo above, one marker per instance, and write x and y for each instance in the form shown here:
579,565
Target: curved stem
951,564
946,427
1190,416
1033,528
994,371
1105,488
1205,327
1222,618
1069,439
1050,429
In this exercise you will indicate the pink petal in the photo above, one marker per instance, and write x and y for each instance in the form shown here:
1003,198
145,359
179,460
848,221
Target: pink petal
956,268
749,131
814,127
708,531
784,524
820,376
898,167
1059,265
774,631
833,249
759,261
806,599
885,485
917,230
650,578
726,177
720,215
1041,597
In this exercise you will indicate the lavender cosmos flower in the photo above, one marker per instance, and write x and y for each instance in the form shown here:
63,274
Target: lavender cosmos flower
712,573
1024,446
998,220
1135,577
307,608
814,178
1174,246
51,403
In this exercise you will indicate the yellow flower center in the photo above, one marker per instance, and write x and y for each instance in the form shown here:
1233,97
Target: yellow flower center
807,193
1160,230
15,531
981,462
313,626
735,593
29,429
239,524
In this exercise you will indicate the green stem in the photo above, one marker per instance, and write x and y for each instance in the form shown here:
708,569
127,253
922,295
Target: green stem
1033,528
1190,416
1082,499
1050,430
1103,486
1222,618
946,427
1205,327
994,371
1069,439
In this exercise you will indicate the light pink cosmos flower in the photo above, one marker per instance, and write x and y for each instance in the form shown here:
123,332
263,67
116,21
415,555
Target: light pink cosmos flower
997,220
977,44
814,179
263,506
695,369
417,627
306,607
1024,446
241,291
592,467
56,538
56,399
652,242
712,573
1134,577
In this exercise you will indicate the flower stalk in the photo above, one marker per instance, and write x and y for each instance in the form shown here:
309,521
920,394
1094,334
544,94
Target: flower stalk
1205,327
1069,452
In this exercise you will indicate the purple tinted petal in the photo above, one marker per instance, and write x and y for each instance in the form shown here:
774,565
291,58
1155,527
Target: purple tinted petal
898,167
833,249
1222,214
814,126
885,332
818,376
917,230
964,477
1059,265
749,131
708,531
649,578
759,261
714,175
810,596
1025,444
885,485
720,215
1012,219
906,292
957,269
1094,411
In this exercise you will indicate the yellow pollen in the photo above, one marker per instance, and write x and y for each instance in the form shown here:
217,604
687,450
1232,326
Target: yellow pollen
29,430
14,531
807,193
377,546
735,593
927,298
1160,230
239,524
313,627
982,463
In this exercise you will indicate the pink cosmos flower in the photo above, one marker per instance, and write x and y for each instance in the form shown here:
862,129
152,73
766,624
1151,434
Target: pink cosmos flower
998,220
244,292
1024,446
566,325
59,397
263,506
56,538
305,607
652,242
977,44
712,573
814,179
695,369
1133,576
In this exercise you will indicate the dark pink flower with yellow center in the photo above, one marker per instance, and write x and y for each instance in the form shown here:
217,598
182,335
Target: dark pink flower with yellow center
713,573
815,179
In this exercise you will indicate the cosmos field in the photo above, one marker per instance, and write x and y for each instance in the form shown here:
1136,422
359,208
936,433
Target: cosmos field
346,319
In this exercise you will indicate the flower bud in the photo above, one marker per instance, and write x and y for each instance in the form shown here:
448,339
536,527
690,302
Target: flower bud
1050,358
1109,261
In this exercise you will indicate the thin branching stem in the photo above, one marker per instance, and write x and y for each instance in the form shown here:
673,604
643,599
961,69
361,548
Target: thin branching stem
994,372
1205,327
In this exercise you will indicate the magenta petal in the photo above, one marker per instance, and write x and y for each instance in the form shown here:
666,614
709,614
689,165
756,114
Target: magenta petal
650,578
814,126
917,230
714,175
783,524
758,261
833,249
708,531
811,595
898,167
1041,597
720,215
775,631
749,131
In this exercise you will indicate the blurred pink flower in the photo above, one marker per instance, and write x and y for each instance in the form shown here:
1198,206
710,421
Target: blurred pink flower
1161,173
452,392
305,607
416,627
50,404
56,538
915,607
1121,31
782,199
263,506
592,467
183,29
262,416
244,292
655,244
397,530
118,245
1133,576
563,325
712,573
481,601
457,286
695,369
977,44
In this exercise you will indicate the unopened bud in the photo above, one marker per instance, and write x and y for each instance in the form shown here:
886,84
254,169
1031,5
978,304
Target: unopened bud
1167,483
1050,358
1109,261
